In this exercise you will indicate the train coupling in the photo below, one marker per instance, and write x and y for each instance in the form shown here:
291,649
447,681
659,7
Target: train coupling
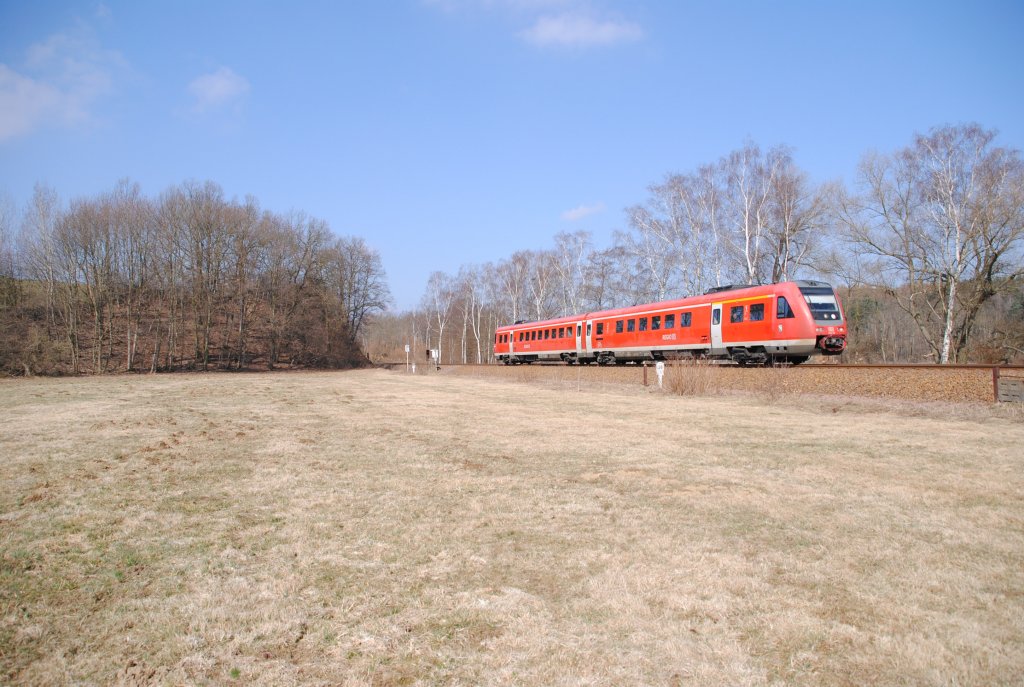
832,345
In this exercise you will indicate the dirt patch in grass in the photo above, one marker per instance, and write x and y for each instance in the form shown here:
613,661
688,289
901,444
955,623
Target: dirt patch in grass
374,528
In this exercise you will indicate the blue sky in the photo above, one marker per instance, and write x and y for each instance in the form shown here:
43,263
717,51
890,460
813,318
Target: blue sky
452,132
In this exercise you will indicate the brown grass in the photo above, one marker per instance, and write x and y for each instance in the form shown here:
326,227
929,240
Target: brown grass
375,528
690,378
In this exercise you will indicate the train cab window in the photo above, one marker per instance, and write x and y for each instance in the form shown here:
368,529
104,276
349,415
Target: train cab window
736,314
630,325
643,324
757,312
783,311
656,322
618,327
600,328
670,321
685,318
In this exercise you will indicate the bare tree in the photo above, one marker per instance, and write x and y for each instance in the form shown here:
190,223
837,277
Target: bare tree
750,180
438,301
942,220
572,252
508,287
364,290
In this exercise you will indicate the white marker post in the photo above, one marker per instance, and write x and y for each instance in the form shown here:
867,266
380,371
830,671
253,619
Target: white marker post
406,358
660,368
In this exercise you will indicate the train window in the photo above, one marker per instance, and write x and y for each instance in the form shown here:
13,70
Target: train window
618,327
561,332
670,321
600,328
579,330
656,322
736,314
533,335
757,312
643,324
716,315
685,318
783,310
547,333
630,325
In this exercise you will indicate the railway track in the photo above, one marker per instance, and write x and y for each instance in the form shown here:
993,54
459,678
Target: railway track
804,366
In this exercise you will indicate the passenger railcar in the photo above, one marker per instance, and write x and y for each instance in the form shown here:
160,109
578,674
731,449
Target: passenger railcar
785,322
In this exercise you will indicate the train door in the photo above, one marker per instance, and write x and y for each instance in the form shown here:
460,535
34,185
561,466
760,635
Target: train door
590,342
717,346
579,341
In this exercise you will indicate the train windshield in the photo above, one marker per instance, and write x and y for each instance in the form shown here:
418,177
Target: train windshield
822,302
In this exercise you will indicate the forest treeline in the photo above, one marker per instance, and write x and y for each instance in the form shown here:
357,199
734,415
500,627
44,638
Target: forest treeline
925,248
186,281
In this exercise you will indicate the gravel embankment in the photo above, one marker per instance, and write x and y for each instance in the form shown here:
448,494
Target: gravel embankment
919,384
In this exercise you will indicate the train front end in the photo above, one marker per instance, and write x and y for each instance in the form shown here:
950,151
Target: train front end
828,316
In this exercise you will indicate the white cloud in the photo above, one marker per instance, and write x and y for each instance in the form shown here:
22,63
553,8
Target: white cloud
582,211
217,89
560,23
63,77
580,31
24,102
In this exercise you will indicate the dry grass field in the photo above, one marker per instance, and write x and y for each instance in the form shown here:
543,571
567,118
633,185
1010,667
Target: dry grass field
374,528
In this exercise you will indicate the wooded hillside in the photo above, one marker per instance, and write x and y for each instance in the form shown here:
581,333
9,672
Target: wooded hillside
188,280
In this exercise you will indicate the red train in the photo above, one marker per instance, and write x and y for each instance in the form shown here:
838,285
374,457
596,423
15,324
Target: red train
752,325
